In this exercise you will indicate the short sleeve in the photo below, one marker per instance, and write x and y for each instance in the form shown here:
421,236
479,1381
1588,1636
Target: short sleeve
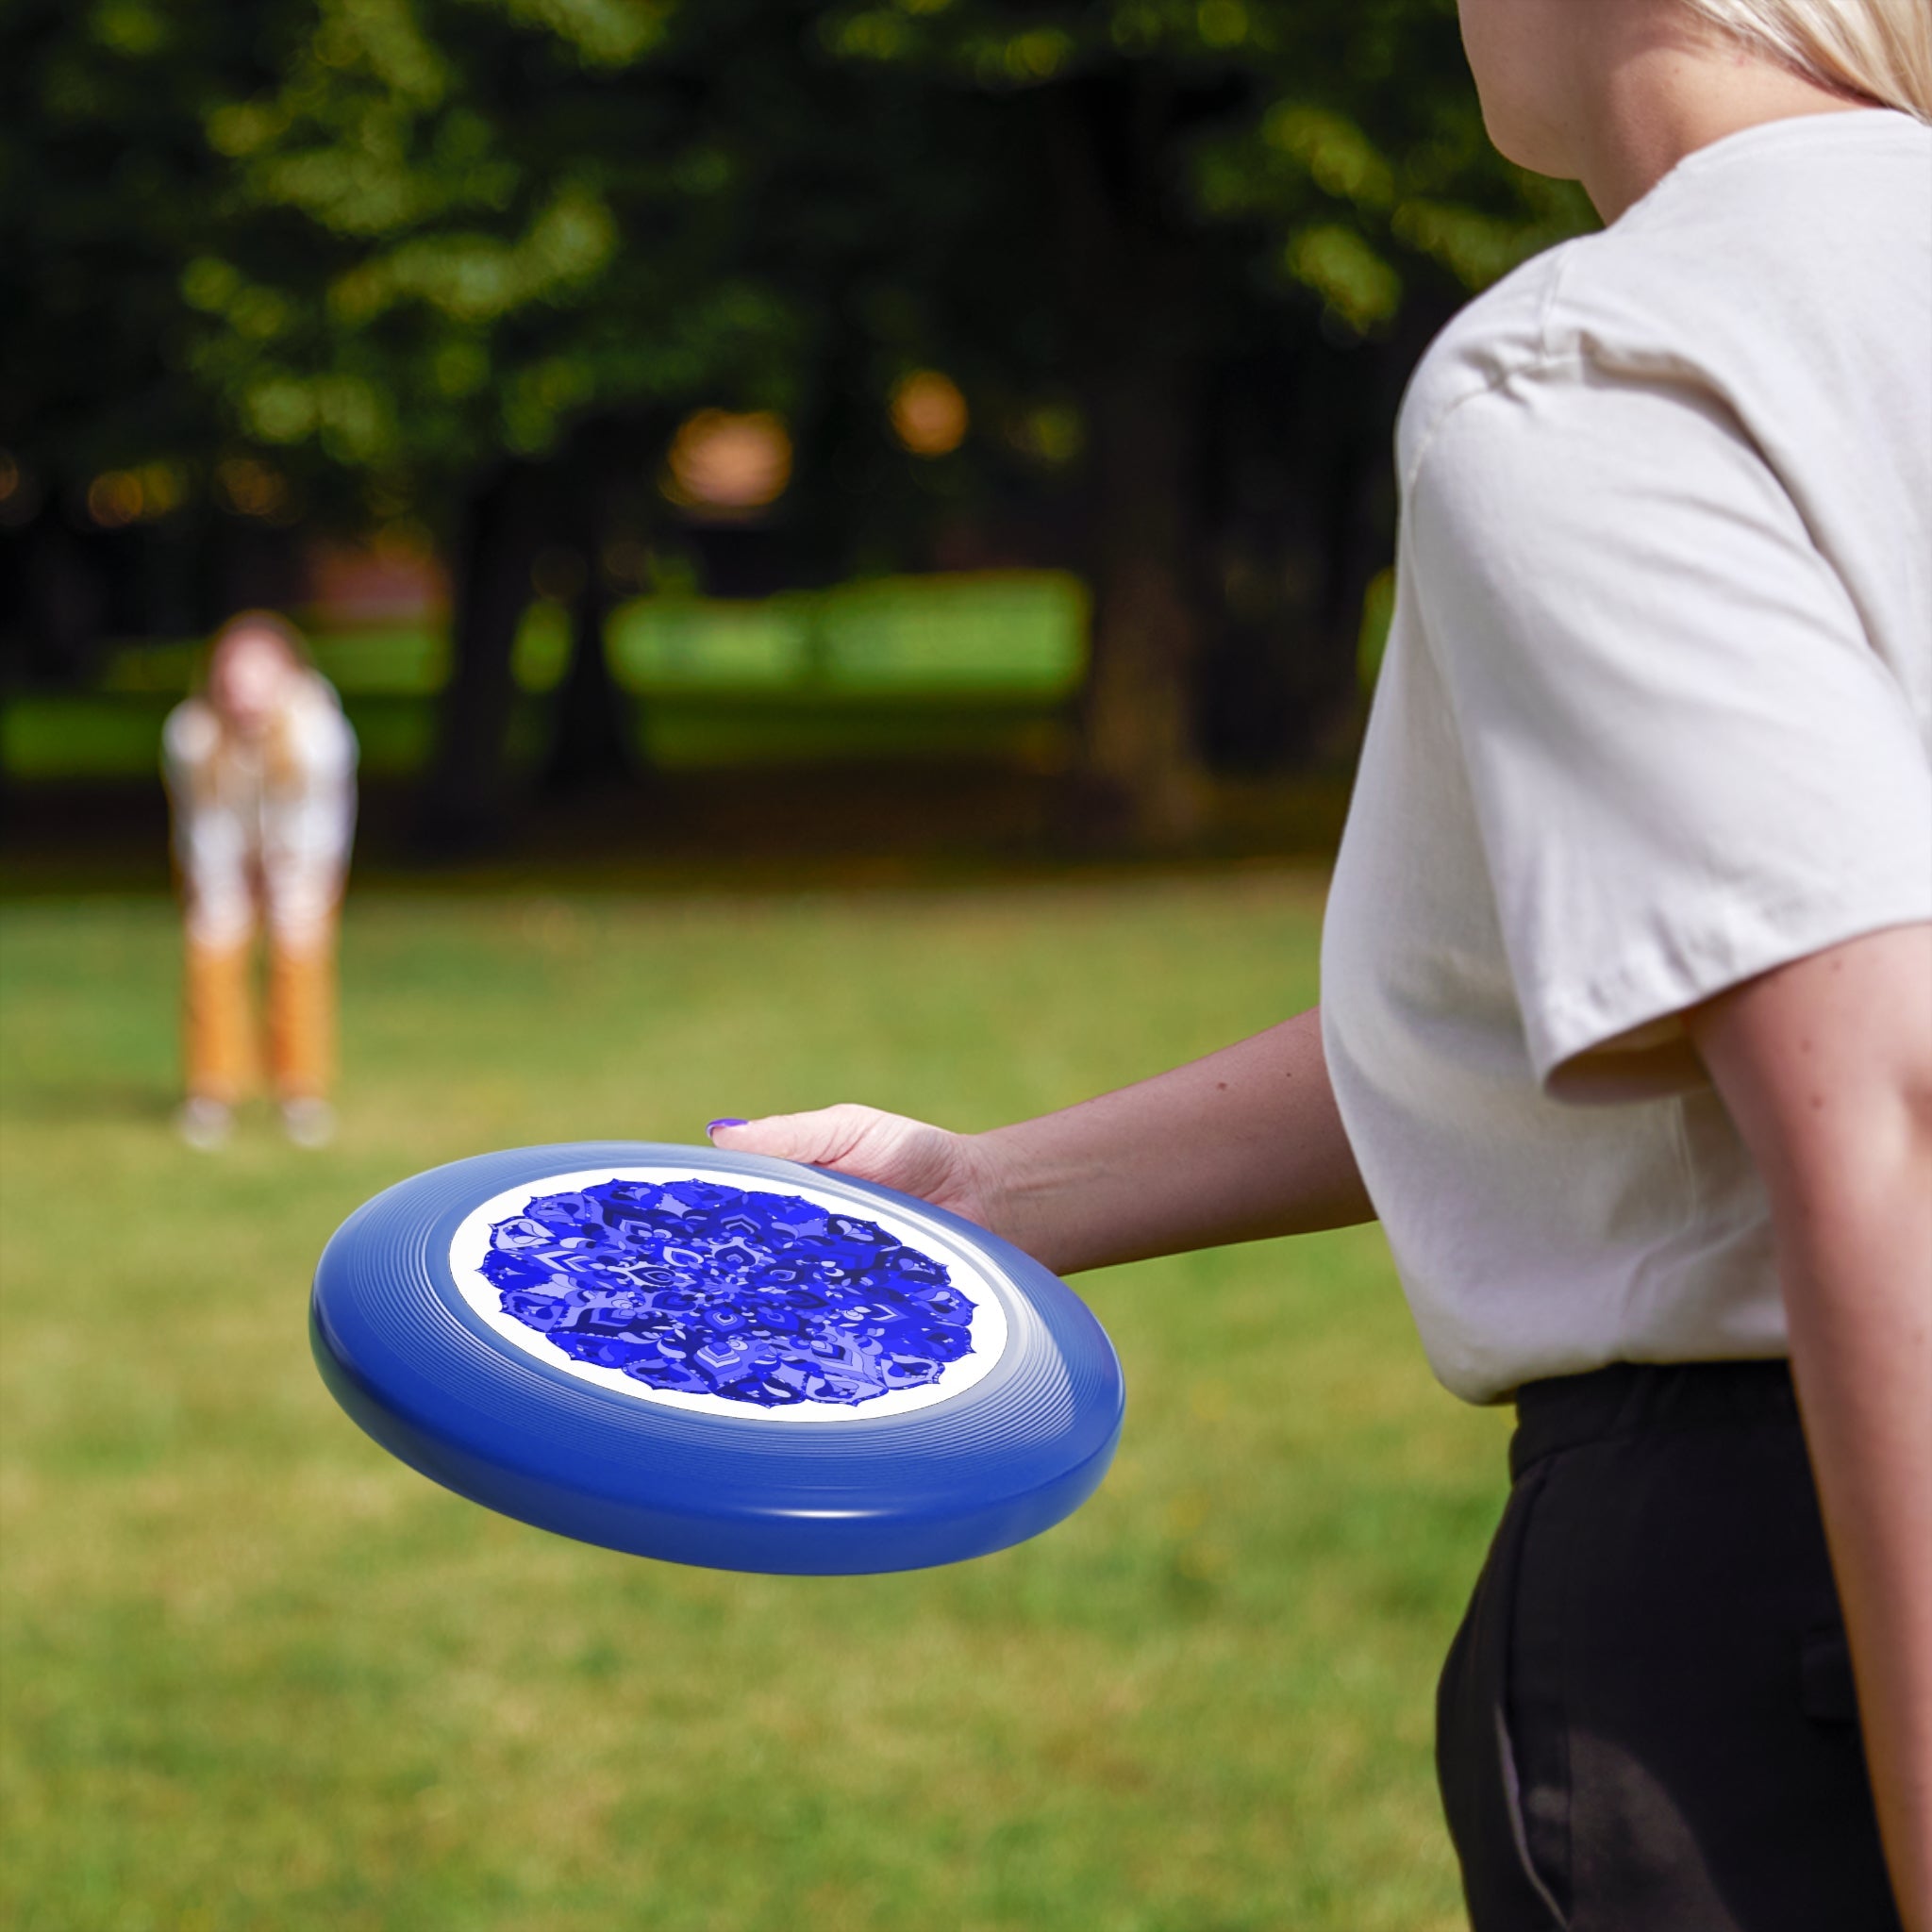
1688,762
188,741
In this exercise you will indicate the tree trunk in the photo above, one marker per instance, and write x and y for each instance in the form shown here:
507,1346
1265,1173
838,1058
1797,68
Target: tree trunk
466,800
1133,303
1139,725
590,744
593,744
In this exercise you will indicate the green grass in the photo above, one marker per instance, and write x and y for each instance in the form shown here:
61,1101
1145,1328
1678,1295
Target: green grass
259,1675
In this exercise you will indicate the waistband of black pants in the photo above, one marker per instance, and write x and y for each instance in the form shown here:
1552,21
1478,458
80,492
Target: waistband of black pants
1639,1398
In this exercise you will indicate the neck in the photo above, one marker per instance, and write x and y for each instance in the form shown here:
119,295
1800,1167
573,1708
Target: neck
1662,92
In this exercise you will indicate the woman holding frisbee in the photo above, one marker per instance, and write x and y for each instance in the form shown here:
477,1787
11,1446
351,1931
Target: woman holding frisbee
262,777
1627,1031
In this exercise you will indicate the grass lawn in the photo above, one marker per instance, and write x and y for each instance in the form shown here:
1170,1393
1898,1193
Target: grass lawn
257,1675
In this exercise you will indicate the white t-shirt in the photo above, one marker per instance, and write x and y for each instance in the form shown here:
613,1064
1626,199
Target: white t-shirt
250,824
1656,716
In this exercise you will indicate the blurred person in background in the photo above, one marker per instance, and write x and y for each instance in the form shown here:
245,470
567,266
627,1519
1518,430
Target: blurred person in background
1626,1021
260,768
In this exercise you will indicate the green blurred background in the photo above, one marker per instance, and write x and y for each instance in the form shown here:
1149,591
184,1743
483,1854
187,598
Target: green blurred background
856,539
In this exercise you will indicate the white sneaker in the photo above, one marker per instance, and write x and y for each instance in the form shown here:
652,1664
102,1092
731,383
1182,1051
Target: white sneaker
203,1124
308,1122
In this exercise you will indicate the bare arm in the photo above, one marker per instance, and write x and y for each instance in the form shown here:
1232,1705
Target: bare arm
1244,1144
1826,1068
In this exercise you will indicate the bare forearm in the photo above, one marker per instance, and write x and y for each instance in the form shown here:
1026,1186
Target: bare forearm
1241,1145
1859,1297
1826,1068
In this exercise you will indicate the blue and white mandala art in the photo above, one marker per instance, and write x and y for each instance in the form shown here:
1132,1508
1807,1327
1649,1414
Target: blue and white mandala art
704,1294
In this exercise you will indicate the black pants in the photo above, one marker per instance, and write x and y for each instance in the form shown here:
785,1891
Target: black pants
1646,1721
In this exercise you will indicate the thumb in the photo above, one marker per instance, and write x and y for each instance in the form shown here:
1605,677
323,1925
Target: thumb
818,1139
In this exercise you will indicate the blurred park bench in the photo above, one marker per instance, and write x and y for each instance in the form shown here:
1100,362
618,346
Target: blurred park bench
981,666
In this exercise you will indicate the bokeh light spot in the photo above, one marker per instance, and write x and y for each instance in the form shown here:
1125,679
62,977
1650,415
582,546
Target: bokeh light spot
114,499
728,464
1050,433
250,487
929,415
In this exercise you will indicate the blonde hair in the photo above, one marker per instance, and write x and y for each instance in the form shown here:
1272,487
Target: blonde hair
1879,50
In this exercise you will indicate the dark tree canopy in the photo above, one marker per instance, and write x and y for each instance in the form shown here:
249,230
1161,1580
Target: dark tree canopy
470,262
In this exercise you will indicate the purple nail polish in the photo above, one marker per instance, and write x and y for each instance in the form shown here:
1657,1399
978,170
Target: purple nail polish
716,1124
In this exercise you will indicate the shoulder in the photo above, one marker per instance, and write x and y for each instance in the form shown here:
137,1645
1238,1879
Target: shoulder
319,733
1603,308
1756,265
1496,337
190,734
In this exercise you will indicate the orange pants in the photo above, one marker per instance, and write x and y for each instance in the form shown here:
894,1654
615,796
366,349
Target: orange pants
222,1047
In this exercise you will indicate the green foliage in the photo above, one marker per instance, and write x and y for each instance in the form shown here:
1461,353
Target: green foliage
498,237
396,239
1346,133
106,188
258,1673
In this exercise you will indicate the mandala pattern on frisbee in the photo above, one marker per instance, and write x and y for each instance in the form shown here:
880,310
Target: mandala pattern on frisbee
690,1286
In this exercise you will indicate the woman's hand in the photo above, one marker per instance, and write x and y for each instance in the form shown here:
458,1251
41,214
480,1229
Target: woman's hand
949,1170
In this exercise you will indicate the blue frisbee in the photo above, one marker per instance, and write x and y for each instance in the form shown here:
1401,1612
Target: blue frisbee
716,1358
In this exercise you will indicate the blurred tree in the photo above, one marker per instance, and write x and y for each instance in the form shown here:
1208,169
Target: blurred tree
506,246
1233,195
510,223
469,262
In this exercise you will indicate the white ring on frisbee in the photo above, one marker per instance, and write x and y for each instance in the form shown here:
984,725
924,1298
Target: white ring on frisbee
470,1243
